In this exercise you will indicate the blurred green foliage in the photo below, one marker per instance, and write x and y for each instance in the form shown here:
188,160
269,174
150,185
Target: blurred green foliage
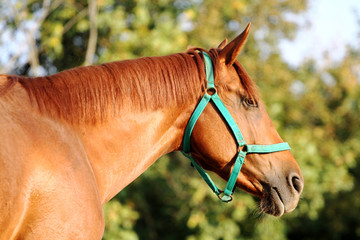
317,110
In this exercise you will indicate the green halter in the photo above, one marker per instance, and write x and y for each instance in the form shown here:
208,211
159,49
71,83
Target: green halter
247,149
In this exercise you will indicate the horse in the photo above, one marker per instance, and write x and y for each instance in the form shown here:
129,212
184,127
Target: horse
71,141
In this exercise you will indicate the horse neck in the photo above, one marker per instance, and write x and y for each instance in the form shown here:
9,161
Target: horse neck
124,146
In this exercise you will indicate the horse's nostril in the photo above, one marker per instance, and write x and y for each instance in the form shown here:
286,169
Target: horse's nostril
296,183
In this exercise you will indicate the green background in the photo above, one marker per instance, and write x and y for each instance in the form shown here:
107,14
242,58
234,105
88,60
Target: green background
315,109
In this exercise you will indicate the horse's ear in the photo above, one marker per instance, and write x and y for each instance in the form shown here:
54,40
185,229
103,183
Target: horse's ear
229,53
222,44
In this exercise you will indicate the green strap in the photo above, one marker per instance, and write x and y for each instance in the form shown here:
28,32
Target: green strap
203,174
229,119
267,148
209,71
248,149
191,124
229,188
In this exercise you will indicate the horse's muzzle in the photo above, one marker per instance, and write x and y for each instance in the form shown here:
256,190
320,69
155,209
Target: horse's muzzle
281,197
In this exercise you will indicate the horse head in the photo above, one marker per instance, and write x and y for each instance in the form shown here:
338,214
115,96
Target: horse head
275,177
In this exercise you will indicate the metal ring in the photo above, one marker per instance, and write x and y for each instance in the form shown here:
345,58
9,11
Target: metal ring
211,91
231,197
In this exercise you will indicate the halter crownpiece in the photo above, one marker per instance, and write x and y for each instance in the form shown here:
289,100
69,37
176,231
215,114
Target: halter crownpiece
226,195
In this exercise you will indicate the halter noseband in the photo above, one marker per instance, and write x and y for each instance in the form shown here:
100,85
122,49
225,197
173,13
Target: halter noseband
226,195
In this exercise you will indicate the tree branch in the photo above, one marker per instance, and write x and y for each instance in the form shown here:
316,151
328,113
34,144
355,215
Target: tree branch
74,20
91,48
34,51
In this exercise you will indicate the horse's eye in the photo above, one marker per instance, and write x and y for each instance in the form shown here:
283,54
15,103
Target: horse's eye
250,102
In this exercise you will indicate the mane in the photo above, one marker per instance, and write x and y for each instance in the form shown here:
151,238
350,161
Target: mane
90,94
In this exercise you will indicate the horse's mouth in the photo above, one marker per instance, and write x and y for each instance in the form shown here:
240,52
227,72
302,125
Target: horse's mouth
272,203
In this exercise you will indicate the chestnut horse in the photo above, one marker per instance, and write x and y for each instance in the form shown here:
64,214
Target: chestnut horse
71,141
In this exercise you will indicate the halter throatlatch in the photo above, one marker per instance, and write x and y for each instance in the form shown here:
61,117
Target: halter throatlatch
226,195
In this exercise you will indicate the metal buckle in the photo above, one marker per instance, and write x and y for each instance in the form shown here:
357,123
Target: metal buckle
222,199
